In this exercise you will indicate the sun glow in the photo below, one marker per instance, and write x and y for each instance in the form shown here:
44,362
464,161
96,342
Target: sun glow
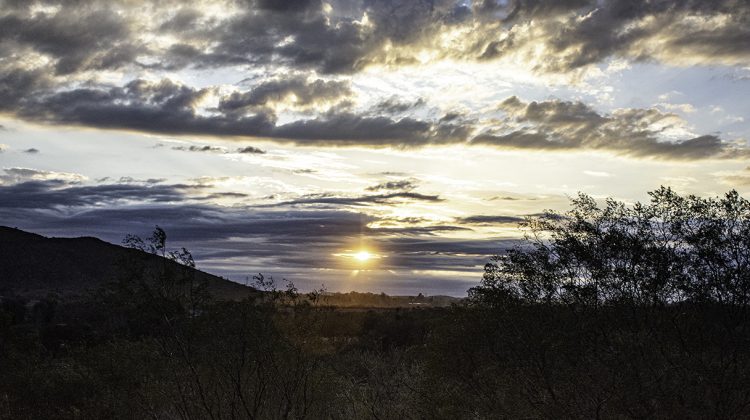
359,258
363,256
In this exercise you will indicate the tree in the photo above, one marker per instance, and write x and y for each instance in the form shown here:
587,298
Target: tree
672,249
612,310
174,279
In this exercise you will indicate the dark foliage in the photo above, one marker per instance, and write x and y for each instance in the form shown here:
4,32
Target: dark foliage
674,249
613,312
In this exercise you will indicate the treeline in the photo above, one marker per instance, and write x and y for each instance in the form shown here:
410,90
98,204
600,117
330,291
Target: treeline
619,312
382,300
671,250
603,312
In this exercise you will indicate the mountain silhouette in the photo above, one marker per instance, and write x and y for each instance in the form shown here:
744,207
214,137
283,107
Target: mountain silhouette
35,265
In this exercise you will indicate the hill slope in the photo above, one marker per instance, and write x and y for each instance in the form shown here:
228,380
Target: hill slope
32,264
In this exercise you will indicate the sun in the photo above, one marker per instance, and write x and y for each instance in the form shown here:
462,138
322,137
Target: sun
363,255
360,257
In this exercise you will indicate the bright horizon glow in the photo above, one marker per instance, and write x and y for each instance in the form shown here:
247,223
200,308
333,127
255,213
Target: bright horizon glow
363,255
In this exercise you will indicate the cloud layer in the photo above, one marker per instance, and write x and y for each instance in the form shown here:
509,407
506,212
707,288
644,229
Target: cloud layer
293,237
563,125
61,62
344,36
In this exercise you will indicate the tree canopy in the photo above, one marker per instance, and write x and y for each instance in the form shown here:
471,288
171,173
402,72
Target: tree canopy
672,249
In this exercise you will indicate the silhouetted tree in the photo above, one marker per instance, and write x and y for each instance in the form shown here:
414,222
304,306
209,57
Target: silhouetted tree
173,281
673,249
614,310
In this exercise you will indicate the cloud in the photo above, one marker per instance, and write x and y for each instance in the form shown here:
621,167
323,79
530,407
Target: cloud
169,107
61,58
490,220
55,193
75,38
563,125
684,108
296,90
159,107
31,151
503,198
564,36
735,178
216,149
285,238
347,129
395,105
273,240
19,175
194,148
404,184
347,39
344,37
251,150
387,198
131,180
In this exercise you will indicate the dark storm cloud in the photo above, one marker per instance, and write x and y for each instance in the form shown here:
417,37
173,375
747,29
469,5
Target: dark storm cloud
563,125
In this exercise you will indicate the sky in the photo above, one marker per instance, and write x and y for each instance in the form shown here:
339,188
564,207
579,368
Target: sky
370,145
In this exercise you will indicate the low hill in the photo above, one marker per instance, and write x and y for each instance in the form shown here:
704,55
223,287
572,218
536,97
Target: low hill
34,265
